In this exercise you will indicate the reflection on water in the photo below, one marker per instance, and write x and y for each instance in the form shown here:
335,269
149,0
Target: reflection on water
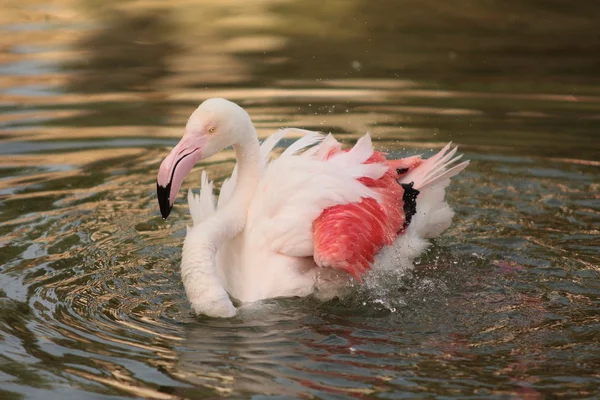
93,93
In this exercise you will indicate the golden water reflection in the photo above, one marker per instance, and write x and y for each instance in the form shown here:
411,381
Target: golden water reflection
93,93
132,65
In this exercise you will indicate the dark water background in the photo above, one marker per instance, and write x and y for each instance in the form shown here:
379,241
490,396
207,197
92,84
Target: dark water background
92,94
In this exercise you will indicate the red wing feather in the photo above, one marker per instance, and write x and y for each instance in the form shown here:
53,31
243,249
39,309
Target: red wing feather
348,236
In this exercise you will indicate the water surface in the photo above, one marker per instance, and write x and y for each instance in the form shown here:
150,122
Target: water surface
93,94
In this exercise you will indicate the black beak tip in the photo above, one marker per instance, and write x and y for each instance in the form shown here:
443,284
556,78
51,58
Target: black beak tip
162,193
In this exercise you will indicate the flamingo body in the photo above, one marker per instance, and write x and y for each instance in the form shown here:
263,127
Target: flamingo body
304,222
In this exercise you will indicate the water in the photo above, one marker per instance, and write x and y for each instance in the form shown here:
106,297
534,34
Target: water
92,95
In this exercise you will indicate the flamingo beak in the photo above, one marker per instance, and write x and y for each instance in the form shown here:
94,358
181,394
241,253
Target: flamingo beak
173,171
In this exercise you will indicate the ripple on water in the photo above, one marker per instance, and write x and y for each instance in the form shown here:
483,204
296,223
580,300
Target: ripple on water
91,303
103,311
102,302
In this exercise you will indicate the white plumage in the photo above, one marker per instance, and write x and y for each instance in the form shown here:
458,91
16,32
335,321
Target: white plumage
256,241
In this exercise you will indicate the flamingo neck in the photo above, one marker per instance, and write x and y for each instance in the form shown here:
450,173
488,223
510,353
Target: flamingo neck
198,265
248,163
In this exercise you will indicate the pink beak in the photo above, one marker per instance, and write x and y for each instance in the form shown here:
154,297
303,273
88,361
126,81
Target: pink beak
173,171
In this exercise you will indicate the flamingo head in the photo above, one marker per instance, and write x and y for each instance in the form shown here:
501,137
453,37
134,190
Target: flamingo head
216,124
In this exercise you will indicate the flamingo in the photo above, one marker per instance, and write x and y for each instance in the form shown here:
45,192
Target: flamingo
311,221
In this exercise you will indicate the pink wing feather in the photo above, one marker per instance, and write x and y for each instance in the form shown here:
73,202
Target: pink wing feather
348,236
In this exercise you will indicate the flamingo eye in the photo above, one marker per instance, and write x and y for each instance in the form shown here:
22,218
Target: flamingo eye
212,129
